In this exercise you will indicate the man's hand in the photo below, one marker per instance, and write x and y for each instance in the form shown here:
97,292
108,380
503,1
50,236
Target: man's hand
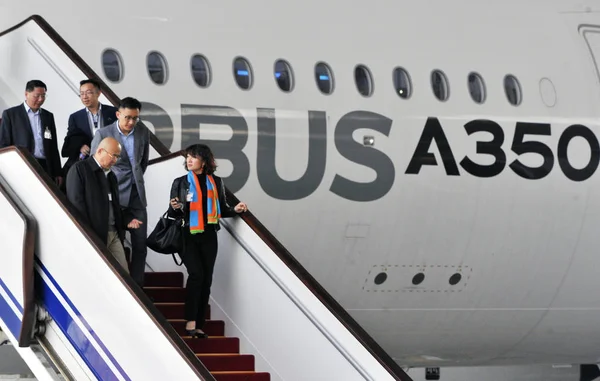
134,224
85,150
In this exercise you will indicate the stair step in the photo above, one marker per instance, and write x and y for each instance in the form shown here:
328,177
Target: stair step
166,294
227,362
211,327
213,345
175,310
220,354
241,376
163,279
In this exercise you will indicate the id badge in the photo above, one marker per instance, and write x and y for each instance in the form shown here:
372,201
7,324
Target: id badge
189,197
47,134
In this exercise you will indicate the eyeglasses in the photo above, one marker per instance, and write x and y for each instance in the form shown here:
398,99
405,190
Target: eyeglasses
88,93
116,157
131,118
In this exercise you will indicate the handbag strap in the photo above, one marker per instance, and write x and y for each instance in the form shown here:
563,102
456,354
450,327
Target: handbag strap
175,260
166,216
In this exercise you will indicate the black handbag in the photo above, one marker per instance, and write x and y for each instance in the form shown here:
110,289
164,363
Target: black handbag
166,237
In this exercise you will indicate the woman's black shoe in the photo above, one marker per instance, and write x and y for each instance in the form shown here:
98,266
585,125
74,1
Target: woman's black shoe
193,333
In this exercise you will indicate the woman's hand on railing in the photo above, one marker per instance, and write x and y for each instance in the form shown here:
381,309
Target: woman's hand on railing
241,207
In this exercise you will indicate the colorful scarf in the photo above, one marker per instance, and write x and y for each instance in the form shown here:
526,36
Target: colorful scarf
213,209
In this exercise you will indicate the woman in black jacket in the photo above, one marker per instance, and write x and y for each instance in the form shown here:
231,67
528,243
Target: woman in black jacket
200,197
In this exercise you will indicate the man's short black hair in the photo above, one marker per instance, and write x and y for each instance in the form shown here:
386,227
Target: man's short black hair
93,82
31,85
130,103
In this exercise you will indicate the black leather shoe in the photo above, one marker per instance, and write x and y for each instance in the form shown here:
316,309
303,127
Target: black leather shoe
195,334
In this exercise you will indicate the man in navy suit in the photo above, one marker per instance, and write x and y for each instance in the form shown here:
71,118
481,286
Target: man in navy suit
30,126
84,123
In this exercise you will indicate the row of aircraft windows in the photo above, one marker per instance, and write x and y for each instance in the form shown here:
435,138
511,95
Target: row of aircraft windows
157,67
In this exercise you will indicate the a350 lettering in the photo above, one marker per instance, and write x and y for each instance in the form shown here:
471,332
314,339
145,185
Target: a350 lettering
488,137
523,142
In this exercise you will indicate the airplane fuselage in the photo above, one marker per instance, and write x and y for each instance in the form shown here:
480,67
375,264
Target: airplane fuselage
455,217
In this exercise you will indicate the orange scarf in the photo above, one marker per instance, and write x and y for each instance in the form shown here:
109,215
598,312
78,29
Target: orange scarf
213,209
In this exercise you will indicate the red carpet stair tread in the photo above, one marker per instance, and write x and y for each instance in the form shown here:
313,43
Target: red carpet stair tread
220,354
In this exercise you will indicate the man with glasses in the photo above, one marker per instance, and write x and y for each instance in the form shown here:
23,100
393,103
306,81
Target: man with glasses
129,169
30,126
93,189
84,123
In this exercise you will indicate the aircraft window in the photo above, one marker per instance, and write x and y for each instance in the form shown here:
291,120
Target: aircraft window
284,76
363,80
512,88
402,83
112,65
476,87
157,67
439,84
242,73
324,78
200,70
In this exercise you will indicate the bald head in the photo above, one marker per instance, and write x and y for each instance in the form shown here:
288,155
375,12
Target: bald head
108,152
109,143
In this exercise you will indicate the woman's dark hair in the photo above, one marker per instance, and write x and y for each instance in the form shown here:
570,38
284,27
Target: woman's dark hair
201,151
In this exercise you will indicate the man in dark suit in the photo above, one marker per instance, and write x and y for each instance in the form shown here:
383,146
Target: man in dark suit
130,169
84,123
32,127
93,189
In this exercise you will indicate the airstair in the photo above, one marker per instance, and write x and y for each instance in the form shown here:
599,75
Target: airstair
64,300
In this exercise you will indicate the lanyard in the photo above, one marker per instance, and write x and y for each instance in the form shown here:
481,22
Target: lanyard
96,118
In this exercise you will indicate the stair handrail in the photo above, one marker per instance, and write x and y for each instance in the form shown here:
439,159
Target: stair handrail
28,262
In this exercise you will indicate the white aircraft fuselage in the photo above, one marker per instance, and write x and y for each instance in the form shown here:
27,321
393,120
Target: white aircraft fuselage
461,231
